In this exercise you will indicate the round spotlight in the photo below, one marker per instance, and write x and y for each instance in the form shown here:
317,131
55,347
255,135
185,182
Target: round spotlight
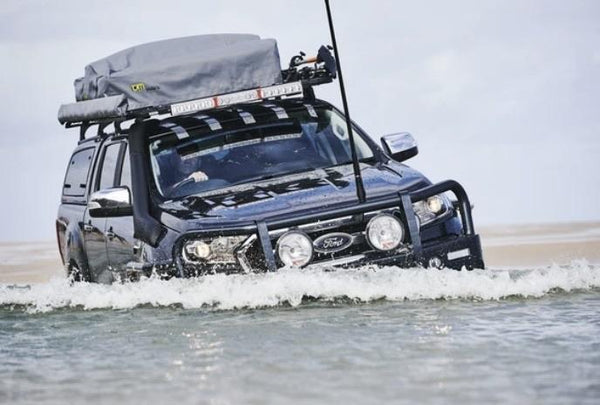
385,232
295,249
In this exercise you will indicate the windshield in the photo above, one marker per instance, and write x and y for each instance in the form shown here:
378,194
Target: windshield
212,156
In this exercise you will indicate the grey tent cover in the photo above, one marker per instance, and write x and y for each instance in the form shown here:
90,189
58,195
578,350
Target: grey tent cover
173,70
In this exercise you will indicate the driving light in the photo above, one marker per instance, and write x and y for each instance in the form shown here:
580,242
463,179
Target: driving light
246,96
295,249
385,232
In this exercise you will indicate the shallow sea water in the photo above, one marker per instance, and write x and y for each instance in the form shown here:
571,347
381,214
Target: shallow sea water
367,336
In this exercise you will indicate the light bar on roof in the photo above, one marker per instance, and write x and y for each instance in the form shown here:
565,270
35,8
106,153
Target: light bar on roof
245,96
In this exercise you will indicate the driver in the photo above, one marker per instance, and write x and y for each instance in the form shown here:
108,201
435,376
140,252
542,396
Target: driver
188,171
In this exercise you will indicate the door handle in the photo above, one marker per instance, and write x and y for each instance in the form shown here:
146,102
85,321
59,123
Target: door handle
88,228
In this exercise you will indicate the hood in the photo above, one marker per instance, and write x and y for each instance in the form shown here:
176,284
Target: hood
289,195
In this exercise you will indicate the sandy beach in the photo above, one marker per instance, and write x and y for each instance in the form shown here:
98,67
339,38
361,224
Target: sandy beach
518,246
540,245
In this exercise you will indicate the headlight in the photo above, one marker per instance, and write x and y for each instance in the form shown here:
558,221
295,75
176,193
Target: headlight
431,208
295,249
198,249
218,250
435,204
385,232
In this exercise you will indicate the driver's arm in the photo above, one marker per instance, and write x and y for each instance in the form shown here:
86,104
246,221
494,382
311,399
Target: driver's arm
198,176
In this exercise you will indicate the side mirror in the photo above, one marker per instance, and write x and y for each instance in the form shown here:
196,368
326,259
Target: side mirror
400,147
110,202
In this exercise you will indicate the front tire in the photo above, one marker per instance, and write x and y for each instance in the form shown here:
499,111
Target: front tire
75,273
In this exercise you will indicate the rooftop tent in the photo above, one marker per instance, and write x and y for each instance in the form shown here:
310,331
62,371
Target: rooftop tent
164,72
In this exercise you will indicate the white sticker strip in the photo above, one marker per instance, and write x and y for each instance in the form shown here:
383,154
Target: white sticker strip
459,254
281,114
213,124
179,131
247,117
311,110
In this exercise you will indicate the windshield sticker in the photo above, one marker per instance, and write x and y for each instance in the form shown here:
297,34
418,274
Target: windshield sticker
282,137
311,110
202,152
241,144
180,132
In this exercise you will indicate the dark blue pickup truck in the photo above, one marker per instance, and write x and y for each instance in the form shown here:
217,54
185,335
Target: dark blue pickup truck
252,181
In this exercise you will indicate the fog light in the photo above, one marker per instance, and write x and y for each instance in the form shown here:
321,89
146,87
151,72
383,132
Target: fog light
385,232
295,249
435,263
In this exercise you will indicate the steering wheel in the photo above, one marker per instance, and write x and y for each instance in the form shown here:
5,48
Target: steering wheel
189,186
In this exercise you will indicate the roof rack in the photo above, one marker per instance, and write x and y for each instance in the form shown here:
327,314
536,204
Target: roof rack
298,79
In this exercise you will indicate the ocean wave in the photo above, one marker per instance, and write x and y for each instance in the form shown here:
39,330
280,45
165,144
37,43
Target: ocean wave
291,287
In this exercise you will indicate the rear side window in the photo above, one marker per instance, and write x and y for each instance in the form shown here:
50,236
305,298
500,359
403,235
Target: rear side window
109,166
77,173
126,171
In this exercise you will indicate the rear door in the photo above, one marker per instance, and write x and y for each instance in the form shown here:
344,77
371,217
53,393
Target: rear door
73,205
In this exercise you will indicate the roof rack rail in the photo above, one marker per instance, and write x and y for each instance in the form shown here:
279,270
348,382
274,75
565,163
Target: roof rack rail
298,79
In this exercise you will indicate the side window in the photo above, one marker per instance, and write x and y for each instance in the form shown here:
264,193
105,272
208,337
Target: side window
109,166
77,173
126,171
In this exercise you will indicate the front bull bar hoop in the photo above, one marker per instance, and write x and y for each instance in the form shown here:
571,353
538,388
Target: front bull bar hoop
459,192
403,200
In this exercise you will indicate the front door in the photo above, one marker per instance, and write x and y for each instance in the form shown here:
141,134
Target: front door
119,230
95,229
95,245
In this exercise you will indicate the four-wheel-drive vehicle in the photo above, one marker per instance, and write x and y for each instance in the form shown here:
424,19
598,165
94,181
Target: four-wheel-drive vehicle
230,164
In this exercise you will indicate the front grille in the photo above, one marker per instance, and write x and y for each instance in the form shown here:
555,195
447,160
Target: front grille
351,225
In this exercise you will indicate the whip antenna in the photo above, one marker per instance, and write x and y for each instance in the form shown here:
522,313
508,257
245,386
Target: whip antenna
360,188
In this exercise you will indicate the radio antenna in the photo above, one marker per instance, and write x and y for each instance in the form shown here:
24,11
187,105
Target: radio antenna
360,188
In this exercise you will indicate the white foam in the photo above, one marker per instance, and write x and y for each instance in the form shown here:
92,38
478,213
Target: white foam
291,286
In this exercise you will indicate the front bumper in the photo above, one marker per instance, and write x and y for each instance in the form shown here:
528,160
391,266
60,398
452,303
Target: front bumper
454,253
459,250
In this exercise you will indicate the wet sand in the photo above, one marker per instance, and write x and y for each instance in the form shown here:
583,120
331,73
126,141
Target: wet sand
505,246
540,245
29,262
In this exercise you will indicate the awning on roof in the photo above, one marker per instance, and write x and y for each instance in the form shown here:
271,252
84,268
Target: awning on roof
165,72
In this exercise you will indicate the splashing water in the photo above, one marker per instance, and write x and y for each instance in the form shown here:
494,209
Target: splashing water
290,287
431,337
